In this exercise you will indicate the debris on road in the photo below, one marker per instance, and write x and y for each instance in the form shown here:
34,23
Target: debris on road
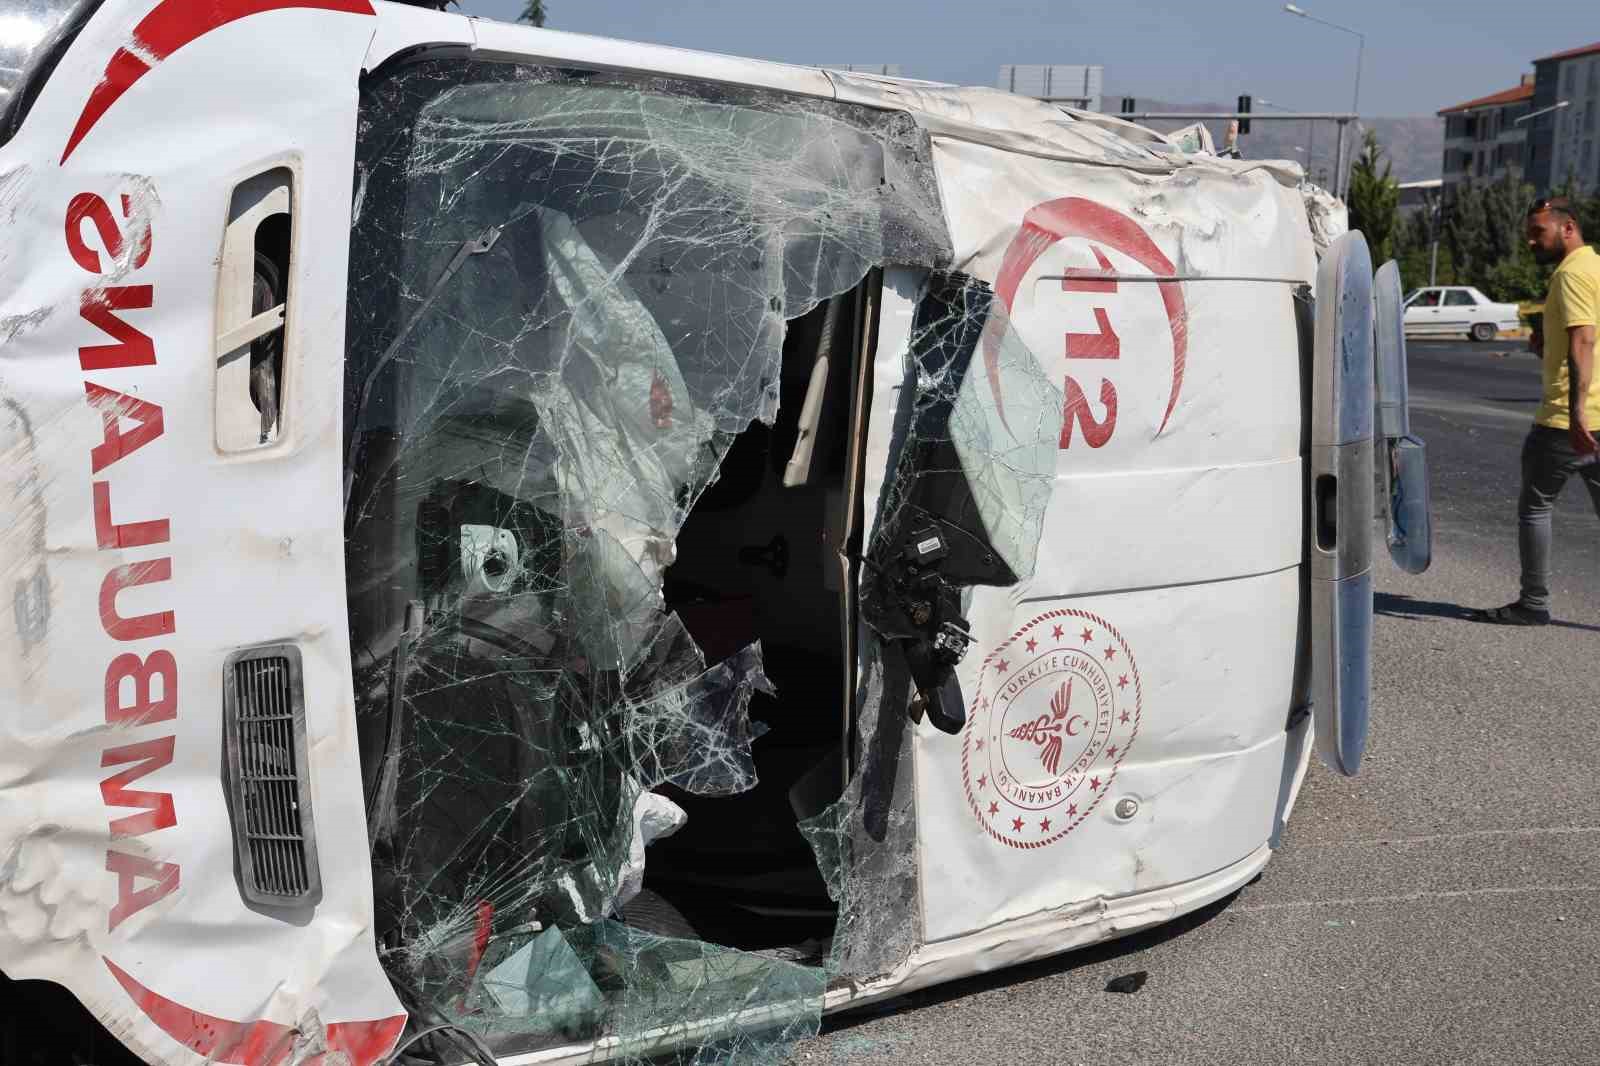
1128,983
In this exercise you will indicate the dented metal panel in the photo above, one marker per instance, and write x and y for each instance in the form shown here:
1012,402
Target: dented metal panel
1128,703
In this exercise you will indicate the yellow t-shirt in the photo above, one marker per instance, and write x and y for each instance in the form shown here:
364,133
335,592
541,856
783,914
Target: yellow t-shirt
1574,300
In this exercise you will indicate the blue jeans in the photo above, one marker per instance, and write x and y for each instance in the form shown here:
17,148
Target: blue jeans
1547,462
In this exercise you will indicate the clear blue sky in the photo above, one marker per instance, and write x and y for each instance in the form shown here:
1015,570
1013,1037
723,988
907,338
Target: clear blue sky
1420,56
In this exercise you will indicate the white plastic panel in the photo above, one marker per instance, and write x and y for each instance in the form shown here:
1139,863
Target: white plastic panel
1151,657
1185,523
1210,683
142,917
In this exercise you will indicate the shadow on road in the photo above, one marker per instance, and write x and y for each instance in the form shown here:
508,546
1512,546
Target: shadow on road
1397,606
1060,964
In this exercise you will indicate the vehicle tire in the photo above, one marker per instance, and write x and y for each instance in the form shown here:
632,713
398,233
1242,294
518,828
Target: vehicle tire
1484,331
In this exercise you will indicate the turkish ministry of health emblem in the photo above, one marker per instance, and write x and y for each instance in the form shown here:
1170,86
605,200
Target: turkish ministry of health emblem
1056,710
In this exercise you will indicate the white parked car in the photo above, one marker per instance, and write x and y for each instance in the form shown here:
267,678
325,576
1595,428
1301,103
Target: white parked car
1458,309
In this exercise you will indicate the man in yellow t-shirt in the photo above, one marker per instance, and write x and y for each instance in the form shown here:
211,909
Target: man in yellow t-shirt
1562,441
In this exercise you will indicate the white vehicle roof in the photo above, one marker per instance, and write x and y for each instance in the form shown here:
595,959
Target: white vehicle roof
1008,121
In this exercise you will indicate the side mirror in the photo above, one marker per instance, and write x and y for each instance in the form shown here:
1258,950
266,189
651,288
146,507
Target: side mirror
1401,458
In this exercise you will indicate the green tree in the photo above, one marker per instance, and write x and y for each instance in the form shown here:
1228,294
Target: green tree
1516,278
1589,218
1484,231
1505,210
532,12
1414,251
1374,199
1587,209
1465,229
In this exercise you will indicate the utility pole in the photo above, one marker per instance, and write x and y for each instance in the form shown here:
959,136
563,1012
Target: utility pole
1341,180
1432,208
1338,164
1435,222
1300,116
1343,118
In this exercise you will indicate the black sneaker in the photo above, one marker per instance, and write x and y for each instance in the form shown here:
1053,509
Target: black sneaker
1512,614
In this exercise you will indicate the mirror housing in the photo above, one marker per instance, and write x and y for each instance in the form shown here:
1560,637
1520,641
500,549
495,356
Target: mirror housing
1402,459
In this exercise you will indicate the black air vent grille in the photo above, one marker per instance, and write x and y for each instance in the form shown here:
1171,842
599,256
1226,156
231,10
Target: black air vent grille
269,783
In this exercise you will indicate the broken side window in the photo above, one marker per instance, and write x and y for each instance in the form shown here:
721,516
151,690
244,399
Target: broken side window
965,505
569,297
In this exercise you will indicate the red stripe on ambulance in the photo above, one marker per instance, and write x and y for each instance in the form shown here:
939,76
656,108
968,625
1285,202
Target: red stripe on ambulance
169,26
141,685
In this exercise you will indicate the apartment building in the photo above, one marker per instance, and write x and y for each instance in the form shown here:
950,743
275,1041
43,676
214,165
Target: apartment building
1483,142
1561,141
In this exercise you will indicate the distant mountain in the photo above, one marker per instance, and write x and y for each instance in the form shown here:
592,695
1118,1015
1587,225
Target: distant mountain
1413,144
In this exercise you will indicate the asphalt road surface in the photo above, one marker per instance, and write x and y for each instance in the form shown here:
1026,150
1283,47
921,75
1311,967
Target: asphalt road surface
1443,907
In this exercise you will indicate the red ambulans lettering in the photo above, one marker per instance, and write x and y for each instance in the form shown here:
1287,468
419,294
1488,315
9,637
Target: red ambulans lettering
87,207
138,678
148,756
133,348
139,626
141,686
114,408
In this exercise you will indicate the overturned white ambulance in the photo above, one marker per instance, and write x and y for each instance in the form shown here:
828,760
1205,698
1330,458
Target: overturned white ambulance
528,548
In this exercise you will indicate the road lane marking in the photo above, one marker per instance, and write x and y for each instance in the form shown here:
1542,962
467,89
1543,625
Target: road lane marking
1474,834
1422,399
1416,897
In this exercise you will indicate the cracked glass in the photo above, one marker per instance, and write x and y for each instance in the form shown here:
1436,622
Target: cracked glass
601,612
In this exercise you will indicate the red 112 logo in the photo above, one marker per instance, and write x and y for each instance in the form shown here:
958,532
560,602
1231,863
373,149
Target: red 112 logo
1042,227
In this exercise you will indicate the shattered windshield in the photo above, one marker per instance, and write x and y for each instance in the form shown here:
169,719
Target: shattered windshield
570,299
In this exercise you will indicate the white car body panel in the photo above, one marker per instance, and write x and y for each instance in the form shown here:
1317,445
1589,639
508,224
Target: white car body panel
258,530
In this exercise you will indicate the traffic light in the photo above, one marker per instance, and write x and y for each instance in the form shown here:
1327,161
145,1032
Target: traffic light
1244,109
1127,105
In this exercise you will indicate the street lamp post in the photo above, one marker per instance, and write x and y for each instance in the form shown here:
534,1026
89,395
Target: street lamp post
1557,106
1341,181
1532,145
